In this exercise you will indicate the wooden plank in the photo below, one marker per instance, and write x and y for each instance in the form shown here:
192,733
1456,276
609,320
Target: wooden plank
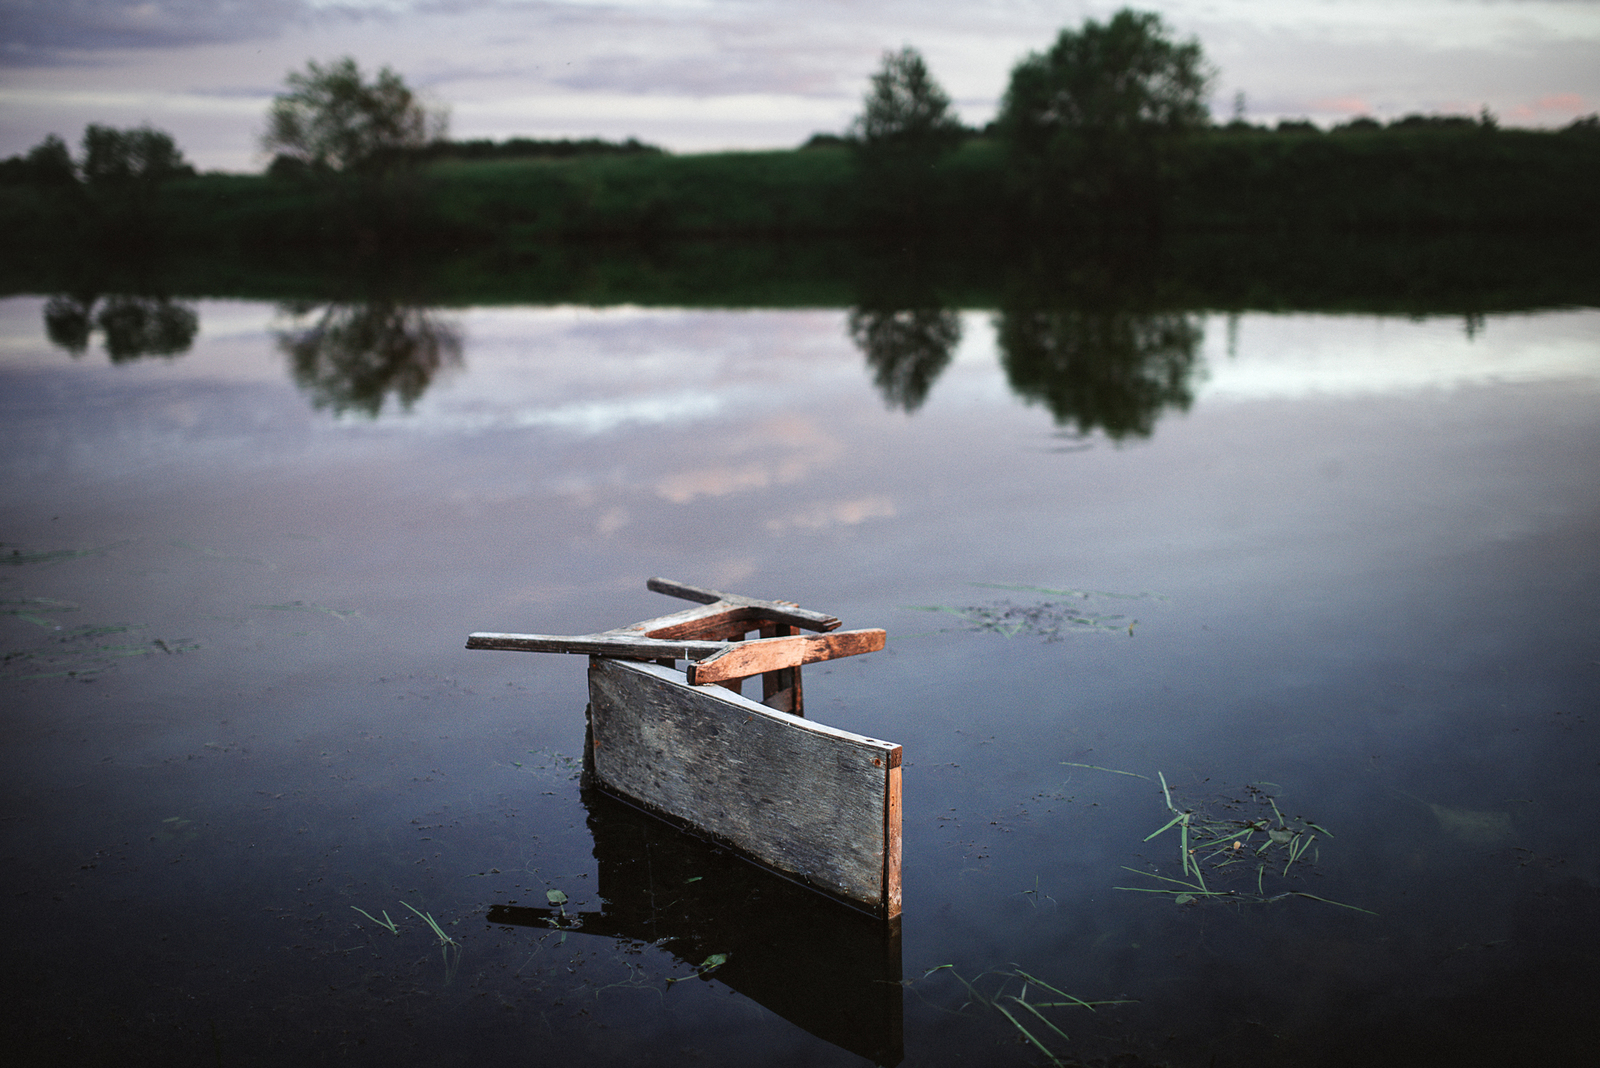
761,655
597,645
891,836
807,800
683,624
776,610
781,689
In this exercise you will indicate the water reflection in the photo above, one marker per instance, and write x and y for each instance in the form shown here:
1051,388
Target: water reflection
906,349
1109,370
130,326
353,356
822,966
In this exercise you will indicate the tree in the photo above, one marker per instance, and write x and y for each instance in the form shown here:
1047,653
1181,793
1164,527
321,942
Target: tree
906,109
331,118
1091,123
904,127
118,157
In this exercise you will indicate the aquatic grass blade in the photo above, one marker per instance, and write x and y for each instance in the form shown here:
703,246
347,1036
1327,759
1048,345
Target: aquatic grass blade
1025,1003
1165,826
386,922
1330,901
443,938
1028,1035
1097,767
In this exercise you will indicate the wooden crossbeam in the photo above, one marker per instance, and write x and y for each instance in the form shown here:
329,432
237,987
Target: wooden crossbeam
709,661
780,611
608,644
757,657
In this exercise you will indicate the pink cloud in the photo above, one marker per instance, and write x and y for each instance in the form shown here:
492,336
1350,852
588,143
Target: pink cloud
1343,105
1549,106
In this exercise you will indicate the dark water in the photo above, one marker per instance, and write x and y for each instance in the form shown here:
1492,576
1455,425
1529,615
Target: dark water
1331,579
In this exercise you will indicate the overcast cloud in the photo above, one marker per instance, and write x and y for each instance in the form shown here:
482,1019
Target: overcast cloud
696,75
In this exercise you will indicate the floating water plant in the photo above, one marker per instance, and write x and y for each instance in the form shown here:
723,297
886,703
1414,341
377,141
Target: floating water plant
706,967
75,653
386,923
35,610
446,943
1253,841
1050,620
444,939
18,556
1025,1014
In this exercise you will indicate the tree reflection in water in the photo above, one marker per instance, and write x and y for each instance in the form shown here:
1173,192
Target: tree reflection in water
130,326
352,356
1111,370
907,349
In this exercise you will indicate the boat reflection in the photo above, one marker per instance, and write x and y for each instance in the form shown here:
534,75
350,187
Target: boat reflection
823,966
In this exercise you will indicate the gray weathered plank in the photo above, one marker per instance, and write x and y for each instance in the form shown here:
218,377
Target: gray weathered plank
689,622
808,800
776,610
597,645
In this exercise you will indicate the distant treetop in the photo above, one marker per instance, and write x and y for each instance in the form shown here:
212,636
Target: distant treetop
111,157
331,118
1124,74
905,106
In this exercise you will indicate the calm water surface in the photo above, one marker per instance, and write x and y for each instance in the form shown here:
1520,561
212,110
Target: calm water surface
1340,599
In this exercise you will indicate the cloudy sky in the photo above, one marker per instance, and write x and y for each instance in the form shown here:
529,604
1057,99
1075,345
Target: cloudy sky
697,75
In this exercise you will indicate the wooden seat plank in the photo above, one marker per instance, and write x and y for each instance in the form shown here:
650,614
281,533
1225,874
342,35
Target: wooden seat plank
740,660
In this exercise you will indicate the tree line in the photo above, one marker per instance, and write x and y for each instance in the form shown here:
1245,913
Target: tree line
108,157
1107,128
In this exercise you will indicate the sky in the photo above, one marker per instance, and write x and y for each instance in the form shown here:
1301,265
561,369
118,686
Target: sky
709,75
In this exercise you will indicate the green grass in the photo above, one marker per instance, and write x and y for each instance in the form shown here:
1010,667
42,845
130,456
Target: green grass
1239,843
1413,180
1007,993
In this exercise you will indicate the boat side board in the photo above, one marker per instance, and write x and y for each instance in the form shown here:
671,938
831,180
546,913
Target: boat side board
816,803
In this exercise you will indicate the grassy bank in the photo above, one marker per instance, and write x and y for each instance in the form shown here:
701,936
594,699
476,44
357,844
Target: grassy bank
1440,179
1457,274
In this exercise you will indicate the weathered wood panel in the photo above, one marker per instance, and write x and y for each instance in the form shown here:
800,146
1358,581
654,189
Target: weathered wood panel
811,801
761,655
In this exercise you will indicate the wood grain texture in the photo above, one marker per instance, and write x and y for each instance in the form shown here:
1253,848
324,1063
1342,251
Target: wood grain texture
689,622
782,689
781,611
762,655
891,836
597,645
807,800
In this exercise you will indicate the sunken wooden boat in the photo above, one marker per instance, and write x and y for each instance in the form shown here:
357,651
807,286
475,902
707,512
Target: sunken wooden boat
671,731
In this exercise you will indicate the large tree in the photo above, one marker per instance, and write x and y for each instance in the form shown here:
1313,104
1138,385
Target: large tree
905,108
905,126
332,118
1091,122
145,154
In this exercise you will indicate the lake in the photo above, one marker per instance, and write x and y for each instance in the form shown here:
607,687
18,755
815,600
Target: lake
1245,668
